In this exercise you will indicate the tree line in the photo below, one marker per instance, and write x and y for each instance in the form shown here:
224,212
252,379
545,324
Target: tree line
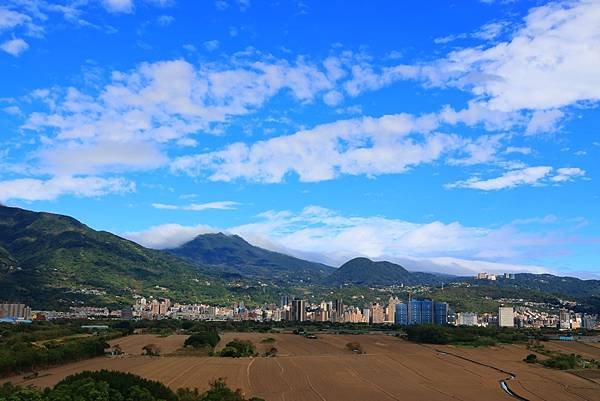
107,385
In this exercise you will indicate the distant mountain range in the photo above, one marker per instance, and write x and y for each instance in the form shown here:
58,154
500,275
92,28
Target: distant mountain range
50,260
231,256
363,271
548,283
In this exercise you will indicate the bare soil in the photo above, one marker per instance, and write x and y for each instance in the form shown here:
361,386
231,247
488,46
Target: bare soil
323,369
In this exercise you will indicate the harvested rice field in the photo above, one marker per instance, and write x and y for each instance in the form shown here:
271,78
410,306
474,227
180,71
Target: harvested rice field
323,369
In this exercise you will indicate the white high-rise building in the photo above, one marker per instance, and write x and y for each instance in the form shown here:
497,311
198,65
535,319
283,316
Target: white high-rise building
506,316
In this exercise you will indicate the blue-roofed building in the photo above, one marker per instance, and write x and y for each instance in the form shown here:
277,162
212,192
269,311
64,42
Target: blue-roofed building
422,312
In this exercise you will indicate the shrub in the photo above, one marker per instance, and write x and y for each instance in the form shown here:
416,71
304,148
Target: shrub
203,339
531,358
238,348
151,350
562,361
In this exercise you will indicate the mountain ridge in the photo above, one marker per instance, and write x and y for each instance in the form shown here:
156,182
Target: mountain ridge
233,255
364,271
51,259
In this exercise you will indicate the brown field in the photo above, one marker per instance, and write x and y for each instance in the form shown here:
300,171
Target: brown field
323,370
586,350
132,345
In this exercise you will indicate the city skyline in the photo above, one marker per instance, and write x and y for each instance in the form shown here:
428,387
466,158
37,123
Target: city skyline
453,138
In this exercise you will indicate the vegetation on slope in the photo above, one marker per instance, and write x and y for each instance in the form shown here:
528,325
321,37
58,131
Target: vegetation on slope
363,271
118,386
468,336
49,260
233,257
25,348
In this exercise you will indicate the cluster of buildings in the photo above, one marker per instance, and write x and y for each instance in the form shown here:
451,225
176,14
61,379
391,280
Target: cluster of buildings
395,311
568,320
494,277
523,316
300,310
14,313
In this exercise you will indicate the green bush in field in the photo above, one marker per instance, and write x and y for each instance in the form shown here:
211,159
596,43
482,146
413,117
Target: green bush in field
238,348
208,338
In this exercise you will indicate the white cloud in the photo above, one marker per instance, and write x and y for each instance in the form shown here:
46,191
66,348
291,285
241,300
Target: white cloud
476,113
370,146
544,121
326,236
211,45
480,150
198,207
167,236
12,110
29,189
365,78
93,158
127,122
548,63
10,19
522,176
333,98
490,31
567,174
510,179
221,4
165,20
14,47
165,101
518,149
487,32
118,6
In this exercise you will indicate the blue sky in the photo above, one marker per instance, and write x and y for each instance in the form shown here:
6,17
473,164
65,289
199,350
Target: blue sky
457,137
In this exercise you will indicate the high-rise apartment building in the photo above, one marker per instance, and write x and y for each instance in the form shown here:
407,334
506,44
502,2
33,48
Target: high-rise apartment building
506,316
16,311
589,322
338,306
377,314
440,313
401,314
298,311
390,315
421,312
564,319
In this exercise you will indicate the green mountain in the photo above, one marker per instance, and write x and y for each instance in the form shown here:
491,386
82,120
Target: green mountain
53,261
572,287
49,260
231,256
363,271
